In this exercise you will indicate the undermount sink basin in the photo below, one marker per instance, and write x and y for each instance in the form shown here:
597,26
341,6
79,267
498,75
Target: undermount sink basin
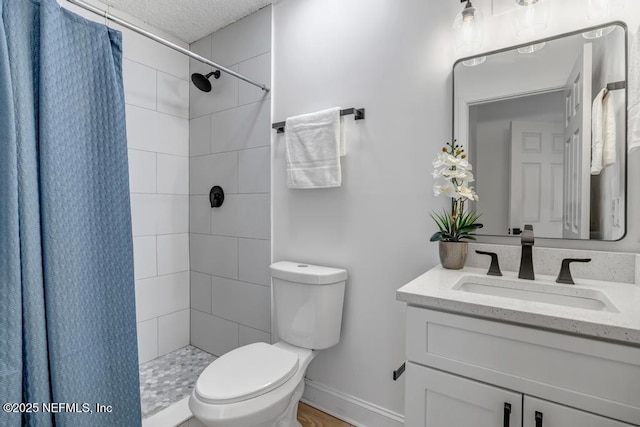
563,295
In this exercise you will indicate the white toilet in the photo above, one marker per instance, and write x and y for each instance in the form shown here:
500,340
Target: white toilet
259,385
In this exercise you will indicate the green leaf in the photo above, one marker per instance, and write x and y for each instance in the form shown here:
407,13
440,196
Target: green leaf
467,236
436,237
443,222
462,228
469,228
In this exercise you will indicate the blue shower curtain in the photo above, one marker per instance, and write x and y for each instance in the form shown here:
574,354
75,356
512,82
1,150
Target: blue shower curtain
67,305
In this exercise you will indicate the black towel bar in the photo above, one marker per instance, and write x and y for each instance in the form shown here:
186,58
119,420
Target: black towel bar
359,113
617,85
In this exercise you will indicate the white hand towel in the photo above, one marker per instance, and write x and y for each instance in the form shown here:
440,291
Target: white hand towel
634,93
597,133
609,131
313,146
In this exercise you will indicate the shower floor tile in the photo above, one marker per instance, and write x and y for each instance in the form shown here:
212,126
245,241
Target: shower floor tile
170,378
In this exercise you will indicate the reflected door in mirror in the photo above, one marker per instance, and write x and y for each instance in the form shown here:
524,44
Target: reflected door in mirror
577,151
537,156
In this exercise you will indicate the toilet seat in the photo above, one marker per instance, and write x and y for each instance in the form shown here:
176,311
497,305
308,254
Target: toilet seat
245,373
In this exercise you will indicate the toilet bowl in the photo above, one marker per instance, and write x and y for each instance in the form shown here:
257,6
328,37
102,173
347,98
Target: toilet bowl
268,401
260,384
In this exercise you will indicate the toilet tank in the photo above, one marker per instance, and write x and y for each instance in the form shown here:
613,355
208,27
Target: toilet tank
307,302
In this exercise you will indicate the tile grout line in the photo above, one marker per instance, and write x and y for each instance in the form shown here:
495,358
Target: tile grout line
232,321
142,150
210,129
177,194
156,318
155,110
224,235
211,288
159,152
228,278
220,152
164,234
211,113
136,61
156,97
157,337
156,177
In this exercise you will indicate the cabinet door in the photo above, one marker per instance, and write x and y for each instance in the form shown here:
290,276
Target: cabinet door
438,399
540,413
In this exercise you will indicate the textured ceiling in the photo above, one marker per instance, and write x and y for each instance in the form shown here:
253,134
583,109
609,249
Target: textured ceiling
189,20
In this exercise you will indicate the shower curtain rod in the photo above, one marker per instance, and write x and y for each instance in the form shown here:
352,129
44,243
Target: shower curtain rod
167,43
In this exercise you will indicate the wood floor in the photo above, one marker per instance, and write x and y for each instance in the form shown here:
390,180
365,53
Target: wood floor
311,417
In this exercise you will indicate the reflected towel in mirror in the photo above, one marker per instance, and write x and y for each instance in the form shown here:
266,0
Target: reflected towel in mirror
603,132
634,93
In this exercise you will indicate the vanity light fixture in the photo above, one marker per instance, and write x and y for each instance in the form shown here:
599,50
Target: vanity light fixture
602,11
469,33
531,18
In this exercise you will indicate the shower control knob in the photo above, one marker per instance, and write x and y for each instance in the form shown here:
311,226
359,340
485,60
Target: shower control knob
216,196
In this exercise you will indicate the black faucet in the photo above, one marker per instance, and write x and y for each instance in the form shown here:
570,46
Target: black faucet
565,272
526,259
494,269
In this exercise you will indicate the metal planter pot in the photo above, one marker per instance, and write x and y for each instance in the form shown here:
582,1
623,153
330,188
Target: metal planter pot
453,255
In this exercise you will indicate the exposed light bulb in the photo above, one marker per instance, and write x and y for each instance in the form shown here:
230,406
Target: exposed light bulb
468,31
531,18
469,13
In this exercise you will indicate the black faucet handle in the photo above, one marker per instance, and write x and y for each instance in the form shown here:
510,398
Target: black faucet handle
526,237
494,269
565,271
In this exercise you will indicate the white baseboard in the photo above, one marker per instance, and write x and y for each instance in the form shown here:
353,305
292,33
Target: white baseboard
349,408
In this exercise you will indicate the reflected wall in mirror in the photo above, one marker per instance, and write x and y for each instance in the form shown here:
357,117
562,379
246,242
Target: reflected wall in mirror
546,133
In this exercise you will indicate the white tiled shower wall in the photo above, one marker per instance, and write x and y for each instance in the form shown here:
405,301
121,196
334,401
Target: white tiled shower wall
230,147
157,98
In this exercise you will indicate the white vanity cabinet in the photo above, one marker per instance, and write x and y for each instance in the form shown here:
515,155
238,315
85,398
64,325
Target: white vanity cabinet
466,371
539,413
436,398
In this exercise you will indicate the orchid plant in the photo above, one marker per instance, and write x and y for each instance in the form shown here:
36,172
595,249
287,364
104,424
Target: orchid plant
452,172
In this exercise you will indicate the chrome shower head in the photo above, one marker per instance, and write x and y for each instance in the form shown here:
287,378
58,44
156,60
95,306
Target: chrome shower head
202,82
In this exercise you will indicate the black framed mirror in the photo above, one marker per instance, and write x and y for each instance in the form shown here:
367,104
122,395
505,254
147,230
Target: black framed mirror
545,126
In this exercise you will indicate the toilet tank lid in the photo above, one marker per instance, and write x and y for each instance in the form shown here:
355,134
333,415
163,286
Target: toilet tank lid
300,272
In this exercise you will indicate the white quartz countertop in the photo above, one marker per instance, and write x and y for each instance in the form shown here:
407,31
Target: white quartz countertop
433,290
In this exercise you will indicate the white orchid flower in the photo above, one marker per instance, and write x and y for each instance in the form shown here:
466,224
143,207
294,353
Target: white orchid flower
459,174
448,190
439,162
450,160
445,159
441,172
467,192
452,175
